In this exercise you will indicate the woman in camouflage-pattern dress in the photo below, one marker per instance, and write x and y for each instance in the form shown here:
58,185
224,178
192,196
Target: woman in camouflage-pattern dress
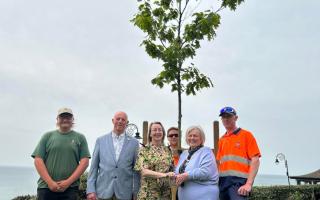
155,165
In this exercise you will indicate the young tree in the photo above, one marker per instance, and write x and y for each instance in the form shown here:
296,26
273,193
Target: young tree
173,33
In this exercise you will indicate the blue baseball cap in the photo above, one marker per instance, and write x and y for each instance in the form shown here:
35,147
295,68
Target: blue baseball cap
227,110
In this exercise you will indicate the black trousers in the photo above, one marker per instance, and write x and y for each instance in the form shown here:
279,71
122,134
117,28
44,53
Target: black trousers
47,194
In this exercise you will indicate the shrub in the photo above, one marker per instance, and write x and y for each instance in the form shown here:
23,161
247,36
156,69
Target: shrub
296,192
83,186
27,197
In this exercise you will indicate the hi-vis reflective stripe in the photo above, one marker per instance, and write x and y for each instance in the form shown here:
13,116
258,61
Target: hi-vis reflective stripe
235,158
233,173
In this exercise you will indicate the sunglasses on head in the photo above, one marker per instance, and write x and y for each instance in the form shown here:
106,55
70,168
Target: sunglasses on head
227,109
173,135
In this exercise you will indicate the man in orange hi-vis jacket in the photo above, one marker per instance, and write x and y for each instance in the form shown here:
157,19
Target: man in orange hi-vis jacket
238,158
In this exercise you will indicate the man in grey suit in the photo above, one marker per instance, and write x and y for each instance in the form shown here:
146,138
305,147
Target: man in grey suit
111,174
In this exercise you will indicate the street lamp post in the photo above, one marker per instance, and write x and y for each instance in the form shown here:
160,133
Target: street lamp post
281,157
131,130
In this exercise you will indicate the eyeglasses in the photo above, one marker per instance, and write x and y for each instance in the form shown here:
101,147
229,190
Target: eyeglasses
173,135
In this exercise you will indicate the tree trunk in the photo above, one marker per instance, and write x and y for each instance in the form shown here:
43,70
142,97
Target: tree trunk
179,111
179,75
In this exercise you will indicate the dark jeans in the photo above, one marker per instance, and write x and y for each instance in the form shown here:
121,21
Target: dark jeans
231,194
47,194
229,188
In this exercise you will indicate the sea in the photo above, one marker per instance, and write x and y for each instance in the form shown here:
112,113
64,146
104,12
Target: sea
17,181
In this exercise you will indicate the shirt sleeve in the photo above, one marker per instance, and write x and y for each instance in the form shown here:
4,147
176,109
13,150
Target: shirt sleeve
40,150
84,150
94,168
142,161
136,174
206,168
252,148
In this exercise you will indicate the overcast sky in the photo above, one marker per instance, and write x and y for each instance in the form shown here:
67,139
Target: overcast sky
86,55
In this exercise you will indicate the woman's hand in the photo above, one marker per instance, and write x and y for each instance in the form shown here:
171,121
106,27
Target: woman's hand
170,174
92,196
181,178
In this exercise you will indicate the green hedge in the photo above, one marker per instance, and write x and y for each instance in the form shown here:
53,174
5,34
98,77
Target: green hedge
296,192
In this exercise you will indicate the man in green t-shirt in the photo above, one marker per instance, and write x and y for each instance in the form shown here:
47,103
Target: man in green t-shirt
60,158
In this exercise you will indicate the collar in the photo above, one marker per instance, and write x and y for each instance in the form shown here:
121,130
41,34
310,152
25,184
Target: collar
64,133
156,147
121,136
235,132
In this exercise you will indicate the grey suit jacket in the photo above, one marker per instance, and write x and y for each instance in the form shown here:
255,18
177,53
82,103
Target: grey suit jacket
108,176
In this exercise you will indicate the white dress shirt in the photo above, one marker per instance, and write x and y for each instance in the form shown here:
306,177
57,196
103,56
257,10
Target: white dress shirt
118,143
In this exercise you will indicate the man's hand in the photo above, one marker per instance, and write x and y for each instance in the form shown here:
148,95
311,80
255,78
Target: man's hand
63,185
254,166
43,172
245,189
92,196
134,197
53,186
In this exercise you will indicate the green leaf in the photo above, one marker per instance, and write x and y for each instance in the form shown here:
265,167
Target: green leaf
153,50
231,4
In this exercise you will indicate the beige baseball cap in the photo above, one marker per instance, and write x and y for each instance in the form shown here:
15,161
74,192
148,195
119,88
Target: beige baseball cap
65,110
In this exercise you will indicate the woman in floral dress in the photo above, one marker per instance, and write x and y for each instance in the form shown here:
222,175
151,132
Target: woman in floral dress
155,165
